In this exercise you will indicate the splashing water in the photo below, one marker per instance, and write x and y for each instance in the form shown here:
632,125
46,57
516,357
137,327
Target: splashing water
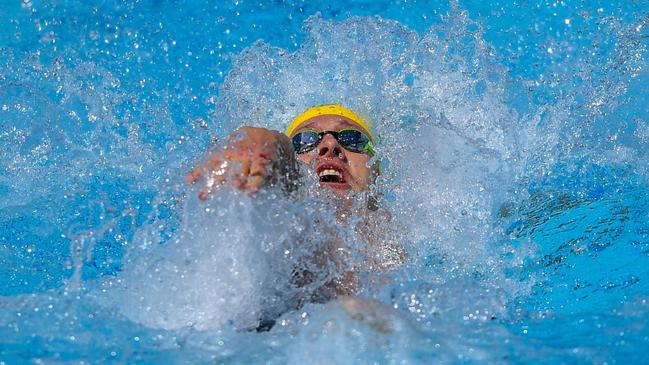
513,144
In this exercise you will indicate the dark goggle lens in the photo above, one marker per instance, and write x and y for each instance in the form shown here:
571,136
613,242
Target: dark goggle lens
353,140
350,139
305,141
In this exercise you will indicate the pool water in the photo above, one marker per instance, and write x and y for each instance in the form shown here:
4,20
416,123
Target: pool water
513,137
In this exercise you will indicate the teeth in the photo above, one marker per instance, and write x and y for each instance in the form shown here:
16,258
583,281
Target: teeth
329,172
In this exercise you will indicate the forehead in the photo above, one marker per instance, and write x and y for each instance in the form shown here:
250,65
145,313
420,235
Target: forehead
328,122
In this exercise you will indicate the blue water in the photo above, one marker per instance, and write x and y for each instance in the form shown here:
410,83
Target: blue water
513,136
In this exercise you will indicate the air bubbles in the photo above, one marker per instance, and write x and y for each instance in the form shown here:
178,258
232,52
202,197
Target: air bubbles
27,4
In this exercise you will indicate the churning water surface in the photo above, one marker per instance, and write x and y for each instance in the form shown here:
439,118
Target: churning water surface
513,137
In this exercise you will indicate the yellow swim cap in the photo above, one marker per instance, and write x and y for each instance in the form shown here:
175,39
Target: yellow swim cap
328,109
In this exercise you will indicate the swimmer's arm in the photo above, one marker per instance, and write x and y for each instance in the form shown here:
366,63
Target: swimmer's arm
347,284
252,159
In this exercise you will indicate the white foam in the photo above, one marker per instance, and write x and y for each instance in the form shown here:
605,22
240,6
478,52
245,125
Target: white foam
447,148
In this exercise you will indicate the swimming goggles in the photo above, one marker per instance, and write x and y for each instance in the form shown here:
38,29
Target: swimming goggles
351,139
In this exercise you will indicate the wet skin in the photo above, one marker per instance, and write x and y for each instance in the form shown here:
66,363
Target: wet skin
258,157
255,157
330,155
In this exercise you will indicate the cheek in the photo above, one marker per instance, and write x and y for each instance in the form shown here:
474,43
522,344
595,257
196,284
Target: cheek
358,168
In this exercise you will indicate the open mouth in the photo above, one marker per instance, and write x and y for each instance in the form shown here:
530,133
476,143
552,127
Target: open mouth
331,174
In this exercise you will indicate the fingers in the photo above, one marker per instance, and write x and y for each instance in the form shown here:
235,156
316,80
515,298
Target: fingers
194,175
237,172
244,163
255,182
258,174
212,164
240,175
214,179
258,166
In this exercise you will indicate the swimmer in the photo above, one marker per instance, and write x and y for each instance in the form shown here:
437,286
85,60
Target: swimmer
332,139
338,146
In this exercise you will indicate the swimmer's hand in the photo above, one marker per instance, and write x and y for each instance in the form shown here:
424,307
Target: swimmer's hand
253,158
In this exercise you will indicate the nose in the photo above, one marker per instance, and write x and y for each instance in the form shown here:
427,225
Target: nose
330,148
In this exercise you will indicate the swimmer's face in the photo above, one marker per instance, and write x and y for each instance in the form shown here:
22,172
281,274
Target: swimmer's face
338,168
